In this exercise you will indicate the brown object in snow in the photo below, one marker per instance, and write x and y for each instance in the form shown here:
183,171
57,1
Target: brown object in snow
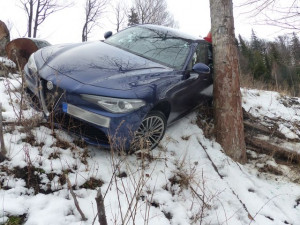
20,49
4,38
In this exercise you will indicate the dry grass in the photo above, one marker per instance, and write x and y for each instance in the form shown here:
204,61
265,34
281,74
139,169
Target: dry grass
247,81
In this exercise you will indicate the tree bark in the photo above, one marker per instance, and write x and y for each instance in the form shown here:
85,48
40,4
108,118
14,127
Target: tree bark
227,96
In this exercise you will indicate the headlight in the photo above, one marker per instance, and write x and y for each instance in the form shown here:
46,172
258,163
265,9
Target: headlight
115,105
31,64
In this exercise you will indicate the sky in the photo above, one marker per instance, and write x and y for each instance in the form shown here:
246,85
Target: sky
193,17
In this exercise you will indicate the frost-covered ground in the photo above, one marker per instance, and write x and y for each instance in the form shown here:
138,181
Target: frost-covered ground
186,180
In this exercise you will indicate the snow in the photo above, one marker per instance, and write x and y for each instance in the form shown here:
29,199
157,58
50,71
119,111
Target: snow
7,62
187,179
271,105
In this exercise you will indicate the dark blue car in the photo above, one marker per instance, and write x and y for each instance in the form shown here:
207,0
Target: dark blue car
123,91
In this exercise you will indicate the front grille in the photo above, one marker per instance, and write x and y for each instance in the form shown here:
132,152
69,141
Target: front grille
79,128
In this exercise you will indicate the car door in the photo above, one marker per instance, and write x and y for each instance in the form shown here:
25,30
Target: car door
195,88
201,89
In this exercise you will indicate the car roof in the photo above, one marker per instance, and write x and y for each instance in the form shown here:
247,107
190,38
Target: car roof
171,31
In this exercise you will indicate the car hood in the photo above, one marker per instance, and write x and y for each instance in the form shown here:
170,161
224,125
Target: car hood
98,64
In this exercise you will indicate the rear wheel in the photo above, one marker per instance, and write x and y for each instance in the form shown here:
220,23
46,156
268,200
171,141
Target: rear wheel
150,132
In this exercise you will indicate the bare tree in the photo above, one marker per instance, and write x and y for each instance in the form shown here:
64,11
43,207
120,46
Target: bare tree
154,12
281,13
94,9
37,11
119,11
227,96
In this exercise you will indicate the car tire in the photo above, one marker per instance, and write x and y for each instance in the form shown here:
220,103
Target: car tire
150,132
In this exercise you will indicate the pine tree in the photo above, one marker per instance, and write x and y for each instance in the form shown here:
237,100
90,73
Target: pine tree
244,55
295,50
243,46
255,42
133,17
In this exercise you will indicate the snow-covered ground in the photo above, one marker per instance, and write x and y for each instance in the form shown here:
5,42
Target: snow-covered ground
186,180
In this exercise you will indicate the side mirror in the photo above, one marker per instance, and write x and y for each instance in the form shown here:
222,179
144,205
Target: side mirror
107,34
201,68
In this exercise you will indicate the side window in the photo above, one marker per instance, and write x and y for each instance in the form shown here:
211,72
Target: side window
202,54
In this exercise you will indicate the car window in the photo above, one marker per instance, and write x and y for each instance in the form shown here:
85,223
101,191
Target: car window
153,44
202,54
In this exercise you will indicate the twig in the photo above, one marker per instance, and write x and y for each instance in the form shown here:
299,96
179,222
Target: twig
75,199
101,208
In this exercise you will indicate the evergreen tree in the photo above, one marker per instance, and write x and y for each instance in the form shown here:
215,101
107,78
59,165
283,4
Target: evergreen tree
276,62
284,49
244,55
133,17
255,42
295,50
243,46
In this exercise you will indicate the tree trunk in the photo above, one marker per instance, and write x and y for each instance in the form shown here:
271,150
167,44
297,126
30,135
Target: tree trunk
84,33
30,17
36,21
227,96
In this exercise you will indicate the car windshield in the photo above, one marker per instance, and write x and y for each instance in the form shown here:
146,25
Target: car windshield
156,45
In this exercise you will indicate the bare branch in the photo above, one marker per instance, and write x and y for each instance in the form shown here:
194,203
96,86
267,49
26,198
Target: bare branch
281,13
3,149
101,208
75,199
94,10
38,10
119,10
154,12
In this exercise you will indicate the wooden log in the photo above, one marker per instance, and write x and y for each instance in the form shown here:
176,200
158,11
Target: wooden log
264,130
267,147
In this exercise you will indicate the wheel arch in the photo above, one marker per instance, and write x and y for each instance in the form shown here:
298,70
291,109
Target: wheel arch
164,107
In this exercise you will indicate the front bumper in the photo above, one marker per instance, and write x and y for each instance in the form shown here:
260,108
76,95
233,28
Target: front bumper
95,126
88,116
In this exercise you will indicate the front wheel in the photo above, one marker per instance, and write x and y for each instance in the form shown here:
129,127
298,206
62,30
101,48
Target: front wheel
150,132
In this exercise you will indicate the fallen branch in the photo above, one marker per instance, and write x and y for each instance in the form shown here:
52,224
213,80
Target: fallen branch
16,123
263,146
101,208
264,130
75,199
3,149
